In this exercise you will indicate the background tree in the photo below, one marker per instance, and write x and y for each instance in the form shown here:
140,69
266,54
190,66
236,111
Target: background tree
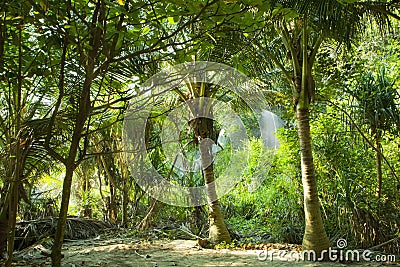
376,98
22,79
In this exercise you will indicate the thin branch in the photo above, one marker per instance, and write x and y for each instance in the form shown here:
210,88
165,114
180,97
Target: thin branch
61,85
156,44
384,243
315,49
290,46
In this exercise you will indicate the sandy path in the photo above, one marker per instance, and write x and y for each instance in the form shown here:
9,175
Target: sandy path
135,253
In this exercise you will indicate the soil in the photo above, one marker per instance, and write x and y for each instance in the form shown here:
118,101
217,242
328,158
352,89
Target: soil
157,253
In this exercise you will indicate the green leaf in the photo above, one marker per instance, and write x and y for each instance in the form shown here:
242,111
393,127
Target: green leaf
289,13
120,40
146,30
171,20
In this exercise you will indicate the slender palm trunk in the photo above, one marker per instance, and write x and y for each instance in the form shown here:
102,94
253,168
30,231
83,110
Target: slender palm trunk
315,237
113,204
218,232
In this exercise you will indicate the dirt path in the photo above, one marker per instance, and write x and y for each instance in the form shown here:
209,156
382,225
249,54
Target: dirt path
129,252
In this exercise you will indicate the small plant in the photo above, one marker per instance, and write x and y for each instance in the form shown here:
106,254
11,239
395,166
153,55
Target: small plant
224,245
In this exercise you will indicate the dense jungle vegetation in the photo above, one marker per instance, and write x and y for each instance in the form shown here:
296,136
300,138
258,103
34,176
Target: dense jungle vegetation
71,71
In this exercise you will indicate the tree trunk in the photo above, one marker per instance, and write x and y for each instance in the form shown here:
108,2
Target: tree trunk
13,206
378,163
126,186
4,208
84,108
113,204
218,232
108,167
144,225
62,219
315,237
16,163
125,202
70,166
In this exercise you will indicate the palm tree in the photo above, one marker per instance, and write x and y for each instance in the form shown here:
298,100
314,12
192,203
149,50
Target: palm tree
198,96
293,33
204,130
225,43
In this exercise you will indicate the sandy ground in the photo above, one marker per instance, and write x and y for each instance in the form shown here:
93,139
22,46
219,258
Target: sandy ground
142,253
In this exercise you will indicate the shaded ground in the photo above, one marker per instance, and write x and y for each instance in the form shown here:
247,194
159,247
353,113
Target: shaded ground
133,252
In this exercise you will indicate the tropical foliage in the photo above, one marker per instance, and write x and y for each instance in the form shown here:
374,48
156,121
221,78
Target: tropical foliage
328,69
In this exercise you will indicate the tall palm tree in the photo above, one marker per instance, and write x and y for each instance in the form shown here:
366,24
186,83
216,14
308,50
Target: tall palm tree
203,130
293,33
220,46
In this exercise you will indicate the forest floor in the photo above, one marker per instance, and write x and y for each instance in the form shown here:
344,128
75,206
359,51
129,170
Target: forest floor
123,251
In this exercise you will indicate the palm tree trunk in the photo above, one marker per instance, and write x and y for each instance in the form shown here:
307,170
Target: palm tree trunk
315,237
218,232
